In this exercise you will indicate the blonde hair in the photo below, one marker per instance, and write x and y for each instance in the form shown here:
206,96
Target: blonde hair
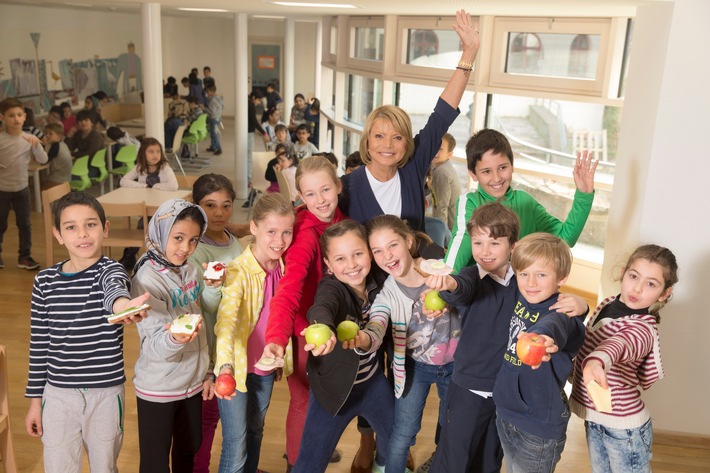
543,247
399,120
273,203
315,164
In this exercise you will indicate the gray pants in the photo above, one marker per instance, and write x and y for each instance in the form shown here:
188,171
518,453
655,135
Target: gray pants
72,417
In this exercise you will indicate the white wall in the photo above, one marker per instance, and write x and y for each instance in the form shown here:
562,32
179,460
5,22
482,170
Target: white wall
662,171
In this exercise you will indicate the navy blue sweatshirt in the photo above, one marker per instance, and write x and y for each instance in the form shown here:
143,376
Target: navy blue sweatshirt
534,400
485,307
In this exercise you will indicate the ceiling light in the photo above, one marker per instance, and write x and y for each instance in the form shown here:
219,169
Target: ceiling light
87,5
315,5
209,10
269,17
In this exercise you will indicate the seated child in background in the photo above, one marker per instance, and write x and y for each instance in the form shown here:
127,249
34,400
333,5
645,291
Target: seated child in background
312,117
269,124
68,119
272,166
303,148
445,184
215,104
170,89
288,165
490,163
173,374
29,125
55,116
622,352
60,161
86,141
486,295
76,377
353,162
93,105
122,138
531,404
298,112
281,137
330,157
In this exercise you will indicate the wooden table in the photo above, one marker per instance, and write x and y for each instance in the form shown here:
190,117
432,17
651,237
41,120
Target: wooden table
35,167
153,198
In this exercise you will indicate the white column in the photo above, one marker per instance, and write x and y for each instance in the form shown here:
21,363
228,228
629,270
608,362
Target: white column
241,111
152,63
289,66
319,57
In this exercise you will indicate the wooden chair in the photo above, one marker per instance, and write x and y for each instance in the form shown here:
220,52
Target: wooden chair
186,182
49,196
284,186
177,146
125,237
7,452
260,159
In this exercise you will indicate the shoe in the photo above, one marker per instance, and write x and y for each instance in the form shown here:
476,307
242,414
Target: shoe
381,469
250,198
410,461
218,152
210,149
27,263
424,467
335,457
2,263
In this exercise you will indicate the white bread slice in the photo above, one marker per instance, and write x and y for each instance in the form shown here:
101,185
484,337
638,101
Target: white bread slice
435,267
117,317
185,324
215,270
600,397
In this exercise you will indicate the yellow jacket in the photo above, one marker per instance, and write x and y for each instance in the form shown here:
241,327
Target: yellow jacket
242,300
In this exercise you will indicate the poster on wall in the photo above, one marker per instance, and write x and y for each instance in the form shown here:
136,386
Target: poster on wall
266,62
24,76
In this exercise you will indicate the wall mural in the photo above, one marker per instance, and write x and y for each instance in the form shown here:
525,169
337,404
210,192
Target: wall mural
39,86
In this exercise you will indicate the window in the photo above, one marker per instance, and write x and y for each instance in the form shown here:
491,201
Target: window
564,55
366,43
362,95
330,40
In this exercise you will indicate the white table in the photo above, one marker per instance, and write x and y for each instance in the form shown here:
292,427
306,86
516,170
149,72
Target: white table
153,198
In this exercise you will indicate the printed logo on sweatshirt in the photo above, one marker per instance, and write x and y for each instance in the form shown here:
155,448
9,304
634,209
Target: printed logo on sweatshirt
181,297
516,326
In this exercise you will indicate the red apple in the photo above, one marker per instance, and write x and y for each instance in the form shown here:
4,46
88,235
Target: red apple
317,334
225,384
530,348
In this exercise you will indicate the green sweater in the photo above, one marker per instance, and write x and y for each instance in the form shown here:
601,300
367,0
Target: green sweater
533,218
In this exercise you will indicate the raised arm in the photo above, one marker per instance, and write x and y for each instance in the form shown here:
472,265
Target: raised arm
468,34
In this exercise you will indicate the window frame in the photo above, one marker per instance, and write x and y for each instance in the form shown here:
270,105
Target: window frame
372,65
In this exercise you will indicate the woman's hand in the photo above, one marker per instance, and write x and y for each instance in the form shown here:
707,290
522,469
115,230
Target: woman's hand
468,34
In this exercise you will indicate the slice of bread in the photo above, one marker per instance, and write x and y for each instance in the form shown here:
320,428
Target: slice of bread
435,267
215,271
600,397
185,324
119,316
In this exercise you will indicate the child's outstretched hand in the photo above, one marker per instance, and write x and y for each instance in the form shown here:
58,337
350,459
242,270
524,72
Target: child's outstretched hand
584,169
273,350
184,338
321,349
571,305
594,370
225,370
428,313
215,282
362,341
124,303
33,419
442,283
550,348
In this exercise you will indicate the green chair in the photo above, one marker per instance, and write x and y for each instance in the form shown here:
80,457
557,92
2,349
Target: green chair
198,132
80,169
99,162
126,155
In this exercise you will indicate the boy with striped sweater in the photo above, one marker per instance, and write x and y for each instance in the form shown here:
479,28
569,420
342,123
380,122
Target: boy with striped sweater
76,371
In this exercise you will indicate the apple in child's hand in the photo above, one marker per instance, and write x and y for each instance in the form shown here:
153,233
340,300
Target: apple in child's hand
317,334
225,384
433,301
347,330
530,348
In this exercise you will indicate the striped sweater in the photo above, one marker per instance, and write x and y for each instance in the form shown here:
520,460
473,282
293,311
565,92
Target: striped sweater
629,349
71,343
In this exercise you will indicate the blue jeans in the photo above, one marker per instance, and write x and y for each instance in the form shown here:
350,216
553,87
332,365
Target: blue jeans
528,453
371,399
619,450
171,127
243,425
409,408
213,123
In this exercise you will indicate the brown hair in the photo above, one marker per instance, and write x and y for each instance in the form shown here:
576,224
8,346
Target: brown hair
56,128
499,220
339,229
141,162
542,247
273,203
450,141
313,164
209,183
399,120
483,141
666,260
400,227
9,103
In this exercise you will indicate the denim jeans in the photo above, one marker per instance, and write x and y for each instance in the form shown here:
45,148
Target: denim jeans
371,399
243,425
619,450
250,154
20,202
409,408
171,127
528,453
213,123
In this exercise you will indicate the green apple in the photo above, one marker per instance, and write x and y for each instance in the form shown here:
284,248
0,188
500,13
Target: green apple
347,330
318,334
433,301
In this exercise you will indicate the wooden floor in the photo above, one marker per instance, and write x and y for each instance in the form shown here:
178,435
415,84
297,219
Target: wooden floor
16,287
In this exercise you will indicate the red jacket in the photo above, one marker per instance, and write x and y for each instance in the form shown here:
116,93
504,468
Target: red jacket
303,271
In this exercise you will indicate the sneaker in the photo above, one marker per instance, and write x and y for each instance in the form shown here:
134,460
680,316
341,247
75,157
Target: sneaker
381,469
335,457
27,263
218,152
424,467
2,263
210,149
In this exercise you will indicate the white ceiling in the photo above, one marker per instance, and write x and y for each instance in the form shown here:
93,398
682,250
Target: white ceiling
605,8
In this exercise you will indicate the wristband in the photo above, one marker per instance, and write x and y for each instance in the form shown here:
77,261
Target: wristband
464,65
464,69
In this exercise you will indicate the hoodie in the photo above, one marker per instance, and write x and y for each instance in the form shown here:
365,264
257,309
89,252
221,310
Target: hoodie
304,269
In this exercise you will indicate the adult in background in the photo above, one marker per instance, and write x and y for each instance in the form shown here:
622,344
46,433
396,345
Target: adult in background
392,179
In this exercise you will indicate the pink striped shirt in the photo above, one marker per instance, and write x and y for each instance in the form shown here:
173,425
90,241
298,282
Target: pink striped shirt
629,350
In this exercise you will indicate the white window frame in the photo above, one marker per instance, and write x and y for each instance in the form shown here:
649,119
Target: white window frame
329,59
357,63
